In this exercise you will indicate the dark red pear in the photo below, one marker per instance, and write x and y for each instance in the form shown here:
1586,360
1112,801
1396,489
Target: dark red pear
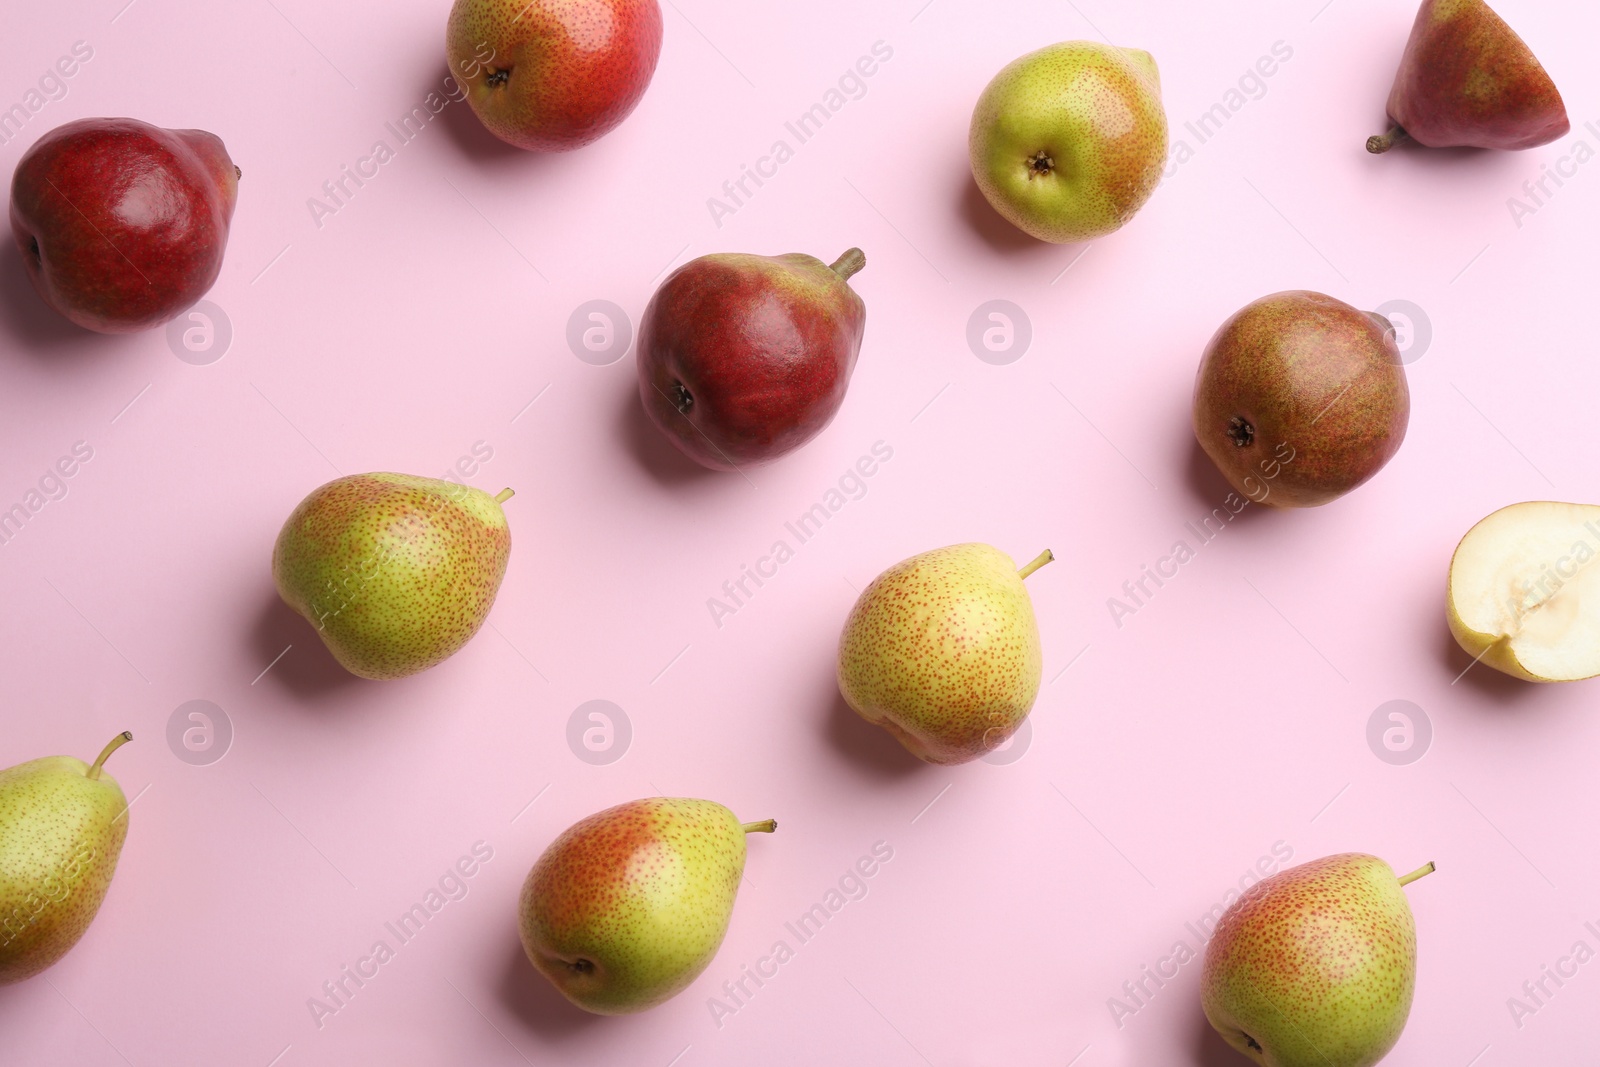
1468,81
743,358
1300,398
121,224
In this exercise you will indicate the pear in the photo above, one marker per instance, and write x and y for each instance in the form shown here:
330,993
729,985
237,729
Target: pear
1467,80
62,825
396,572
1524,591
628,906
942,651
1316,965
1067,143
1300,398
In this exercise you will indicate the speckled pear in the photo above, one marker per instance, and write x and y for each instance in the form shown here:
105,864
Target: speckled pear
942,650
62,825
396,572
629,905
1068,142
1467,80
1316,965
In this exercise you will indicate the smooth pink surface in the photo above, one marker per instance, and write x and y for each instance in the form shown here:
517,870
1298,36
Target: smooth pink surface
1168,755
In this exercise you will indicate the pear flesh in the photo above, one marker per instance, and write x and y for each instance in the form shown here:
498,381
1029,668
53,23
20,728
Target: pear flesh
62,826
629,905
1315,966
1068,142
396,572
1524,591
942,650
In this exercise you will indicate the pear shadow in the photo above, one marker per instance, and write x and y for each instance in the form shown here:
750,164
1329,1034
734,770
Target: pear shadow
1211,1051
870,749
651,449
997,233
536,1004
37,329
307,670
1211,490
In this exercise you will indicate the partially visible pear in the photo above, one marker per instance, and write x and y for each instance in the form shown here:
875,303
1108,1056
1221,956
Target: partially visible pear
1316,965
629,905
1524,591
1467,80
1068,142
1300,398
396,572
62,825
942,650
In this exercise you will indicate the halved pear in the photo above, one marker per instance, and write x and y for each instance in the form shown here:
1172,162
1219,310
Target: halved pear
1524,591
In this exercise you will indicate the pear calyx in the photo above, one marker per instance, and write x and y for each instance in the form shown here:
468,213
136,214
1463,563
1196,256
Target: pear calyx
1380,143
849,263
1038,561
1420,872
765,826
116,742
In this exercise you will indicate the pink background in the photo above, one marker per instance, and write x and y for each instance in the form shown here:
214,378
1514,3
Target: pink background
1167,755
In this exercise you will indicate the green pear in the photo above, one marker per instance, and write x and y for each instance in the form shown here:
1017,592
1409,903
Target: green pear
1067,143
62,824
396,572
1315,966
628,906
942,650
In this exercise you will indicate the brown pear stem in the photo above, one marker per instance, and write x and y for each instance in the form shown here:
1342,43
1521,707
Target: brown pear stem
1381,143
503,496
1420,872
1039,561
849,263
116,742
765,826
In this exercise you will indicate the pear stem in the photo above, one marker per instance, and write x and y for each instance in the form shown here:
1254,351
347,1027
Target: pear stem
765,826
504,495
849,263
1039,561
116,742
1382,142
1420,872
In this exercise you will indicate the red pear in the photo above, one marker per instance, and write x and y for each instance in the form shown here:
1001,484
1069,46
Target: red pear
1468,81
553,75
122,224
743,358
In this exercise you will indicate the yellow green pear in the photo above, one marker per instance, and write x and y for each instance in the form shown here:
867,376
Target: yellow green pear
62,825
396,572
1524,591
942,650
1068,142
1315,966
629,905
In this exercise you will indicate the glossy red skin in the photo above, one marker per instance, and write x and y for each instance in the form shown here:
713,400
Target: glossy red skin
765,346
1453,43
572,69
131,220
